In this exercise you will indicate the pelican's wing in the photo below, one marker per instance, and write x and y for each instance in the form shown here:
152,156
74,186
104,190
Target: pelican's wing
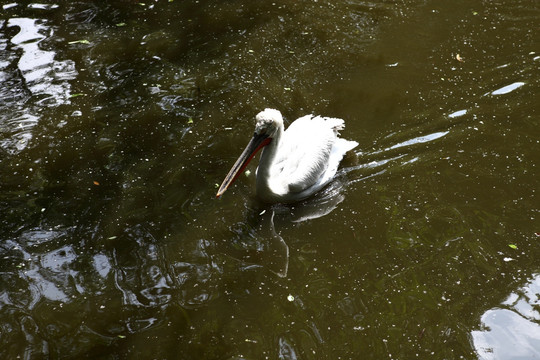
305,151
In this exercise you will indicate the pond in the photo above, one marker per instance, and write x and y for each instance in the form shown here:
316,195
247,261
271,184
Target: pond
119,120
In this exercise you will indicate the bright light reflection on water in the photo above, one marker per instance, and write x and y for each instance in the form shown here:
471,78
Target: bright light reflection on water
512,331
45,79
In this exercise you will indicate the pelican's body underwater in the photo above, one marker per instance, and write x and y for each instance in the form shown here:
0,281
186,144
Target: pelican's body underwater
295,163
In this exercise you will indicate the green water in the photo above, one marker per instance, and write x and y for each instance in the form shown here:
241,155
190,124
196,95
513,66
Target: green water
118,119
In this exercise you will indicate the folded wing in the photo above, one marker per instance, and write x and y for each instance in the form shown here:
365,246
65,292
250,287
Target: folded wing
310,151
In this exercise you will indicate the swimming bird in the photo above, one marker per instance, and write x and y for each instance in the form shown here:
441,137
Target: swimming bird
295,163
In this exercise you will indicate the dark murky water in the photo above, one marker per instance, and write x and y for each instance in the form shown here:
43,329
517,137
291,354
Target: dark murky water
118,119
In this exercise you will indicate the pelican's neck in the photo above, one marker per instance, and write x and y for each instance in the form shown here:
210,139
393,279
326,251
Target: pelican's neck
268,157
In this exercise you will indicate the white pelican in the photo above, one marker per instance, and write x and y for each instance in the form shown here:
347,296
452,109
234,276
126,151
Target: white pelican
295,163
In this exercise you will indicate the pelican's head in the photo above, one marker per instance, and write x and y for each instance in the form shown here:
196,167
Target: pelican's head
269,121
269,124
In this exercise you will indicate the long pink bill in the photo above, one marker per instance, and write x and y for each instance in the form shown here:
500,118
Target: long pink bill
257,142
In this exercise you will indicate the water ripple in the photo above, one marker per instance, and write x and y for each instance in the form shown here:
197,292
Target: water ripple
419,140
508,88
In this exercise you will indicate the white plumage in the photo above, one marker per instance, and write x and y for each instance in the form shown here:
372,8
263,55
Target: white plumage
294,163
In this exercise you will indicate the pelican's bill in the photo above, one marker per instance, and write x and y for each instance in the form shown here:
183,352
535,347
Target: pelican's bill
258,141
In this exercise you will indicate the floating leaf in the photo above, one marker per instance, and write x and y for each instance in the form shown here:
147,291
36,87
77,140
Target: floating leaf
122,336
76,95
513,246
111,238
247,172
287,89
190,121
459,58
96,183
290,298
121,24
79,42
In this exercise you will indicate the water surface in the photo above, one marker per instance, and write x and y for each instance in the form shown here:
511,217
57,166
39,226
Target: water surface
118,120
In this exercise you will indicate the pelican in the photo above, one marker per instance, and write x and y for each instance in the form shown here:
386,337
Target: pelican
295,163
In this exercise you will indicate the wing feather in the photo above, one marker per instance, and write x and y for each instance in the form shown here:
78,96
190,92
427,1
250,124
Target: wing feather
305,151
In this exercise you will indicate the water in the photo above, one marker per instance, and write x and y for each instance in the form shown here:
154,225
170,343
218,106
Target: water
118,120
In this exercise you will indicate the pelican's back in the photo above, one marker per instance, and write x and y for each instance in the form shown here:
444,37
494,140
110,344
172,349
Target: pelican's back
310,152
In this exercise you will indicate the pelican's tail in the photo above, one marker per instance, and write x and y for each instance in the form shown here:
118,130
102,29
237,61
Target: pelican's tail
341,146
335,124
346,145
339,149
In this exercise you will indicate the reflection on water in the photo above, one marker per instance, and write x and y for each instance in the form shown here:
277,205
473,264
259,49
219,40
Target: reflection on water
512,330
419,140
32,78
321,204
38,67
508,88
262,234
457,113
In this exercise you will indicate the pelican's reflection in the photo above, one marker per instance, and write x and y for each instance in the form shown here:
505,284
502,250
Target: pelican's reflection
323,203
259,243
